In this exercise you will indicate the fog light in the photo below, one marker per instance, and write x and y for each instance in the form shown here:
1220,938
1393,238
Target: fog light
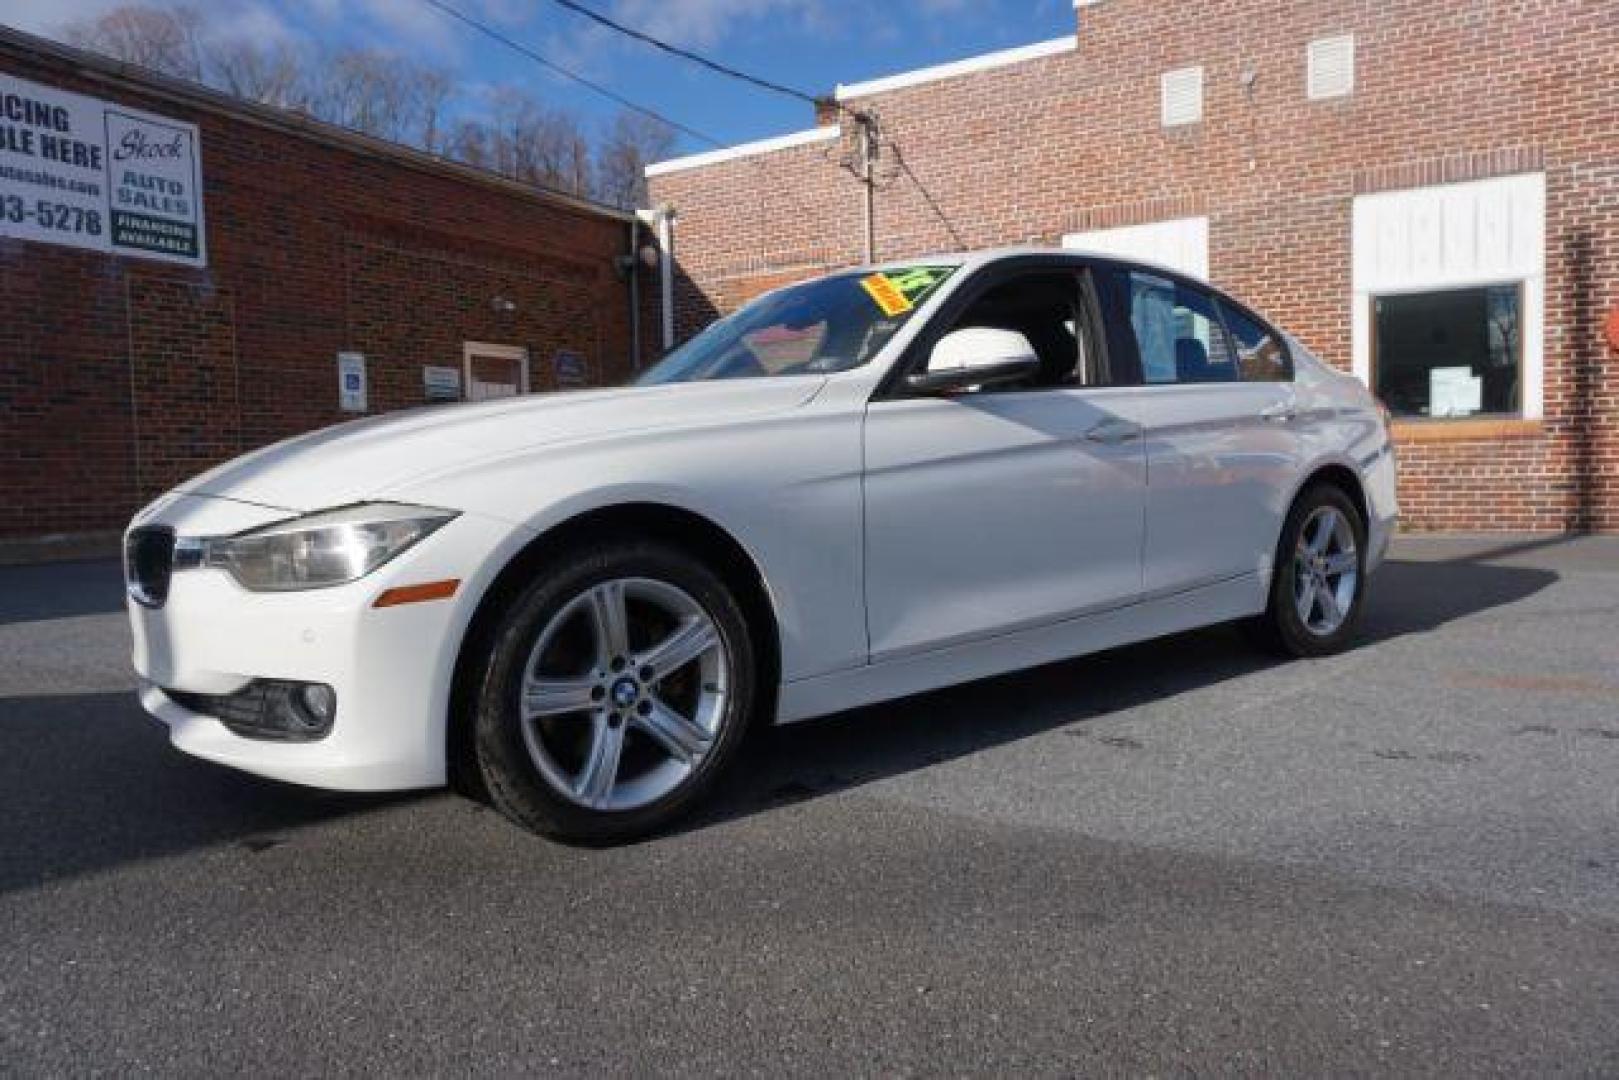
268,709
319,701
297,710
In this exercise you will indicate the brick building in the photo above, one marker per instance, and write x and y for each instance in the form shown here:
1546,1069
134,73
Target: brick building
1425,191
281,256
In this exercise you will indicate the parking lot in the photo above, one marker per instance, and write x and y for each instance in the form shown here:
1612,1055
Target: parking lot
1180,857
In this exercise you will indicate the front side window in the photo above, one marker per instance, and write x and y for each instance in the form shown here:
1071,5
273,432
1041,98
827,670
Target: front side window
831,324
1048,308
1449,354
1177,330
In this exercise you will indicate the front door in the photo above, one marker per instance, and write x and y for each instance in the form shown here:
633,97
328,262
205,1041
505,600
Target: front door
993,511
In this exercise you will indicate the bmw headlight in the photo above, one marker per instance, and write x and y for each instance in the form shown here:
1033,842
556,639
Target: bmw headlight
330,547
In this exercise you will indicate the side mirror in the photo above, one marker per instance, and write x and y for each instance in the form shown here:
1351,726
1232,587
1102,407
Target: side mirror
976,356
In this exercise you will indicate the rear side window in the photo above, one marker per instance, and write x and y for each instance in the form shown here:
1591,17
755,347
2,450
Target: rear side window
1261,356
1177,329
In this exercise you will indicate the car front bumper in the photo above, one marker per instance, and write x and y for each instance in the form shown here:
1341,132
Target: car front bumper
391,667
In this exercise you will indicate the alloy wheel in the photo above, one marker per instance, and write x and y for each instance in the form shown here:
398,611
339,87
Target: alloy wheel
1326,571
623,693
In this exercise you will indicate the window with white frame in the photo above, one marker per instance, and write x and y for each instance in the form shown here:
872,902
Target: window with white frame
1449,353
1182,101
1330,64
1449,297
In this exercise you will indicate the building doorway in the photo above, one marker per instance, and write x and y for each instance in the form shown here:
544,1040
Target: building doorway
495,371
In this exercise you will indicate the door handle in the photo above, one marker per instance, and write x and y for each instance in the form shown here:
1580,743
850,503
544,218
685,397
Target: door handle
1111,432
1281,413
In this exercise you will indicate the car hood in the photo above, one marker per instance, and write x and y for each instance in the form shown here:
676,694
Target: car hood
366,458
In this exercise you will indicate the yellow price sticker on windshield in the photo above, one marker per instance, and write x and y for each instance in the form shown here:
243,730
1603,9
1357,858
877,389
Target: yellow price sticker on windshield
887,294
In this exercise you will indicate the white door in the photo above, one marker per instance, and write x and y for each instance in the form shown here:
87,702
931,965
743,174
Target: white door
993,511
1223,437
495,371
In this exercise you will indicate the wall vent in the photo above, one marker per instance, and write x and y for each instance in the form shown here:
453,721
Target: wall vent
1182,96
1331,67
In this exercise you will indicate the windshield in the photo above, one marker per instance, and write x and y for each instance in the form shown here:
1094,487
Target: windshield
832,324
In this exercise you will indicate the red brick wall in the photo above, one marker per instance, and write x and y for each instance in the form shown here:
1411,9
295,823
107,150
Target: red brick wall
120,377
1444,90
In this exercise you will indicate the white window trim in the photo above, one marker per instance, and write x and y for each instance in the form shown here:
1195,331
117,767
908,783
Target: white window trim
1144,243
1528,271
1188,73
1311,59
470,349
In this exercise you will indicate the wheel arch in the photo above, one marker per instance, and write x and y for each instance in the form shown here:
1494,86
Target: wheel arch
1339,475
693,532
1333,473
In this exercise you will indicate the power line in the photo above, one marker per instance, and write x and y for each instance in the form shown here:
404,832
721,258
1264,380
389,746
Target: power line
551,65
872,136
687,54
927,196
607,92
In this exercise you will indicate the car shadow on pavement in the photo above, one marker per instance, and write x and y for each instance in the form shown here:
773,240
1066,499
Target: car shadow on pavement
89,782
836,753
60,590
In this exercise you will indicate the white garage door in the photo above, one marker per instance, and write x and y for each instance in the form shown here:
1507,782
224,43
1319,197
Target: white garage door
1180,244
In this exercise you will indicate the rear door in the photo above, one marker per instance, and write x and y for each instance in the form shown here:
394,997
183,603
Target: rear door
1223,436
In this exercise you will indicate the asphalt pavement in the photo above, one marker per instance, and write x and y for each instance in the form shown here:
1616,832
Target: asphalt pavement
1176,858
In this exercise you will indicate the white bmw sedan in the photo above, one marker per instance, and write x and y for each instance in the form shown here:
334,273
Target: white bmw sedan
869,485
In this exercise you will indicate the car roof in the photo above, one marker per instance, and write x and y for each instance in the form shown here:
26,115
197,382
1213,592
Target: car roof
973,260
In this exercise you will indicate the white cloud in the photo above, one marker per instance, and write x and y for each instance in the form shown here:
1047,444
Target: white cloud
410,20
227,20
250,21
706,22
410,27
47,17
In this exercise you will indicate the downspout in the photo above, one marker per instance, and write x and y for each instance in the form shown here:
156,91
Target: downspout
666,271
634,263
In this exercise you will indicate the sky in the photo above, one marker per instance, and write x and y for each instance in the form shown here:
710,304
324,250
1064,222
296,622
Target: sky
807,44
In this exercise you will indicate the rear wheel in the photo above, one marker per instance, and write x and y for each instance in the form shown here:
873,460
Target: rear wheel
1319,577
619,686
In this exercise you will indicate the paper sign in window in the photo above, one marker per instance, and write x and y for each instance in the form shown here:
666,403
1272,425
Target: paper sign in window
1454,391
887,294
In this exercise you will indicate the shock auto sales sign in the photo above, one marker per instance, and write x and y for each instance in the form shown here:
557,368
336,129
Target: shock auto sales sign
93,174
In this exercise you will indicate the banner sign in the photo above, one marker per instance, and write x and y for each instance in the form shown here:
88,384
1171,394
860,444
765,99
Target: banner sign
95,175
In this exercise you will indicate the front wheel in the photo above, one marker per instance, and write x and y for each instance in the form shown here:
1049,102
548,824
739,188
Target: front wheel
1319,577
619,687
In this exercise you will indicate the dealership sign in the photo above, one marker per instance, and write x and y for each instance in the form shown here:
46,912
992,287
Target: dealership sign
93,174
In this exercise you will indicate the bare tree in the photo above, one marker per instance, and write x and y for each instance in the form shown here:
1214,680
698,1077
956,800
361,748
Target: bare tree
379,94
472,142
390,97
432,91
537,145
631,143
165,39
271,75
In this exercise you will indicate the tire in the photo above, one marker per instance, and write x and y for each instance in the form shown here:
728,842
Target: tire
597,719
1305,615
